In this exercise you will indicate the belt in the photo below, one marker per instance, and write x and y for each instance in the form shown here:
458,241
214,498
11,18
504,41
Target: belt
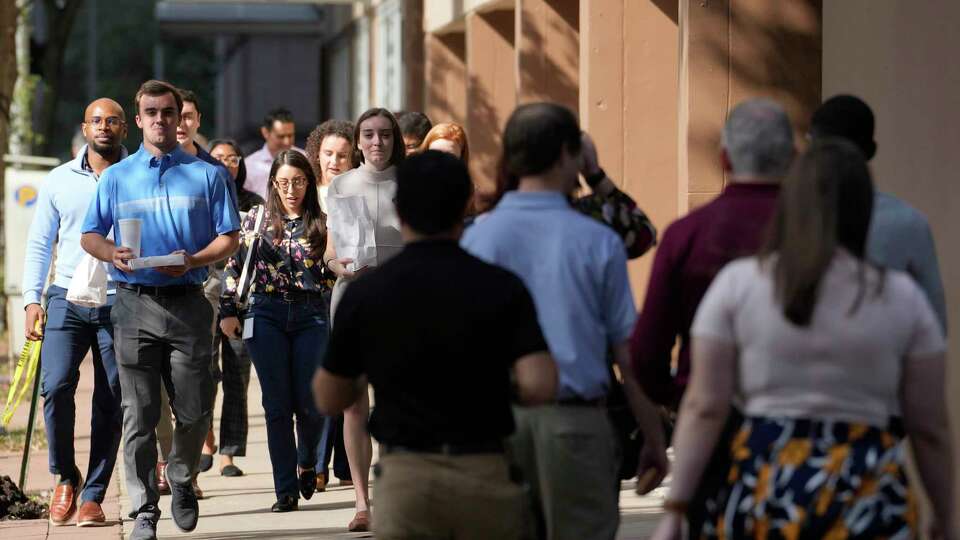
580,402
294,296
169,290
482,447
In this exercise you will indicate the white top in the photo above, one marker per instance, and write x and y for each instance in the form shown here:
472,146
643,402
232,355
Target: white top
844,366
378,188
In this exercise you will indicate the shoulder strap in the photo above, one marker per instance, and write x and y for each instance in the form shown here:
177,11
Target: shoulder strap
242,285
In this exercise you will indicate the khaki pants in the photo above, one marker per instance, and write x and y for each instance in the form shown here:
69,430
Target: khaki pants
568,458
432,496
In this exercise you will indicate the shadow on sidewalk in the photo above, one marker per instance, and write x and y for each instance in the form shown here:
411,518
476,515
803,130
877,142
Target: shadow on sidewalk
305,506
286,534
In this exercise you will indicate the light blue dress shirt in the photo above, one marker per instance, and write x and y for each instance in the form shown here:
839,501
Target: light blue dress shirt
900,239
576,271
183,201
62,204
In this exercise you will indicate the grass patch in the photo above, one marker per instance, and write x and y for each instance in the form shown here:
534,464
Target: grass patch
12,440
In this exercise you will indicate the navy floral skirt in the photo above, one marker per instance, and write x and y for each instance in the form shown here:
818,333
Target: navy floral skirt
794,478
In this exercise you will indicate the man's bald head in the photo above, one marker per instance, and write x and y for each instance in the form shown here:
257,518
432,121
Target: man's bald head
104,126
107,105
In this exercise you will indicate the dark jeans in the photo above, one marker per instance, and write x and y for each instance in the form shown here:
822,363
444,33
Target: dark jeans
288,343
331,445
71,331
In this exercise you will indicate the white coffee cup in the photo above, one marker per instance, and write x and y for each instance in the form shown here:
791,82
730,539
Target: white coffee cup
130,234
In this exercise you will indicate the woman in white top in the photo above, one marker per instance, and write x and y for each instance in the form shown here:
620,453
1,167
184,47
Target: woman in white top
380,142
820,349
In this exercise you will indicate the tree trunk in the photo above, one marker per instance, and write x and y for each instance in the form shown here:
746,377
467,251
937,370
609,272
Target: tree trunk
8,76
59,24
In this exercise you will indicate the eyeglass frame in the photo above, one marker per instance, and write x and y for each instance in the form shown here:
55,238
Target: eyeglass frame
298,183
235,158
110,121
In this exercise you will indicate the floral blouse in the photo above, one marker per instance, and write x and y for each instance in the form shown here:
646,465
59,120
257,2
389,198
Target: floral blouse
280,266
621,214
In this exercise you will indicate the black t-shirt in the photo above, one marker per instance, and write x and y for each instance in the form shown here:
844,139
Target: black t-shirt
436,331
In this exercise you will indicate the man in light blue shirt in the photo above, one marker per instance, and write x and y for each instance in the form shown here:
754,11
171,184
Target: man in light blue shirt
575,269
162,322
899,236
72,330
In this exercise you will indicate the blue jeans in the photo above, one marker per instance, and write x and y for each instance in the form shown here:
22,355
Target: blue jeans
71,331
288,343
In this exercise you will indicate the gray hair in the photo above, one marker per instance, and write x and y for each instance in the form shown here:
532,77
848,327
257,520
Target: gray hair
758,138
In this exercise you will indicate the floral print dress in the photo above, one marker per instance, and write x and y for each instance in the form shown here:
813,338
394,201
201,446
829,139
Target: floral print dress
279,265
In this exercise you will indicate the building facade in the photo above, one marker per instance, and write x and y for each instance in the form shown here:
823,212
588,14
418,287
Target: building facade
653,80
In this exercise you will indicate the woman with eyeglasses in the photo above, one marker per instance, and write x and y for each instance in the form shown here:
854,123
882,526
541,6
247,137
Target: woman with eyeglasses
227,152
377,135
285,326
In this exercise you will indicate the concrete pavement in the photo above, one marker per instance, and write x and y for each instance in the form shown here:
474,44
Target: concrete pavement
237,508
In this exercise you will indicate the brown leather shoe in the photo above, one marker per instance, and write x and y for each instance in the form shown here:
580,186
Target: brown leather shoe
196,489
90,515
321,482
63,502
162,486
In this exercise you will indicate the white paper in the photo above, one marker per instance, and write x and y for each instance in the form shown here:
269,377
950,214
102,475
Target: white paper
159,260
88,286
352,229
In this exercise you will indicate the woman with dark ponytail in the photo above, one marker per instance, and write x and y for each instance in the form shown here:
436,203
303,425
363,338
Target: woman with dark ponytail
822,350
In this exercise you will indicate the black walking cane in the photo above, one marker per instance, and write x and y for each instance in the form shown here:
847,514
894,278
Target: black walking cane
24,464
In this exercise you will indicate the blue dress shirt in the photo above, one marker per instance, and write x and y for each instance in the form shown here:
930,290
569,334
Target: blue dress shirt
576,271
183,201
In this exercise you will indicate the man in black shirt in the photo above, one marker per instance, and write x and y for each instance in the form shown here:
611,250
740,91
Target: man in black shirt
438,332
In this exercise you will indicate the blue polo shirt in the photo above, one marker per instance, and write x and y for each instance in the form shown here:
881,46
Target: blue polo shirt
576,270
183,201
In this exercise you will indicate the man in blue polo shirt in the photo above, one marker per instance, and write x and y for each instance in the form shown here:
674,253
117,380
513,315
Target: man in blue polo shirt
161,319
576,271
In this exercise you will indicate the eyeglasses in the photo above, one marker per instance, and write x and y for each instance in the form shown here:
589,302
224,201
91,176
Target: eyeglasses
230,161
298,183
111,121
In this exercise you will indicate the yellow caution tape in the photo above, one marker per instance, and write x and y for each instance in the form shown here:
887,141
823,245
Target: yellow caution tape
25,373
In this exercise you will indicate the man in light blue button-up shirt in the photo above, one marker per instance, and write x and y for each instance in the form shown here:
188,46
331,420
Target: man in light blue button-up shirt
72,330
575,269
162,322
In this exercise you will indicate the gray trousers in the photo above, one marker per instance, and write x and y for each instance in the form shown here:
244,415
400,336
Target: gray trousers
211,290
162,340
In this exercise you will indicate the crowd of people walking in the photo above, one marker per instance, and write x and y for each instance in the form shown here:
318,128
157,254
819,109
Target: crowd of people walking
494,331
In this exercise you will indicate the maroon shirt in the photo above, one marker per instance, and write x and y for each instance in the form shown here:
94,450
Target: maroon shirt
693,250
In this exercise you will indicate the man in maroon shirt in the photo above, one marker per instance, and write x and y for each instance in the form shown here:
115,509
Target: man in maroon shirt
757,148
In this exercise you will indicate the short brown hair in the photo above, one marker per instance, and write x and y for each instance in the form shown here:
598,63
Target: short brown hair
155,88
189,97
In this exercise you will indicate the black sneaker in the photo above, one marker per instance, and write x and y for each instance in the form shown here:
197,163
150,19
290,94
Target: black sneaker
184,507
144,528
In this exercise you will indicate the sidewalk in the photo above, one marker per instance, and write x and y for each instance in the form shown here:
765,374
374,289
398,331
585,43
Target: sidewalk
39,479
237,508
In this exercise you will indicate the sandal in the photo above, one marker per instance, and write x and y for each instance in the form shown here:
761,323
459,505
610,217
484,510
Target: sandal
361,522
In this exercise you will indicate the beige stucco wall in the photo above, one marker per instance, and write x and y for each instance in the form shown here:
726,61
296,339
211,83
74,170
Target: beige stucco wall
900,57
